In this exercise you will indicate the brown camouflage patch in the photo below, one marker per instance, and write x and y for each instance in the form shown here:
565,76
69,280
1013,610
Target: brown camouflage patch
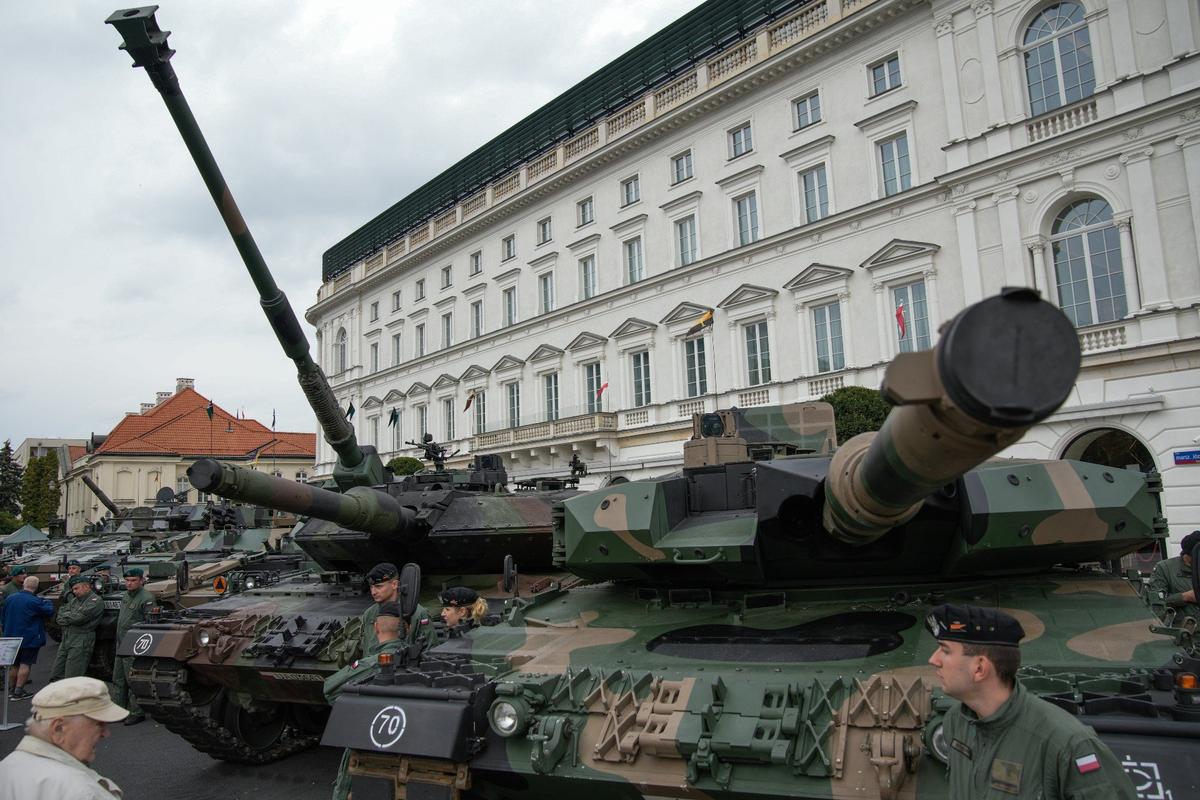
1113,642
1114,587
1033,625
610,514
548,647
1078,521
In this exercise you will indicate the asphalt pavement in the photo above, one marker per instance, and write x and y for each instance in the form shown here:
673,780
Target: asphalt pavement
148,761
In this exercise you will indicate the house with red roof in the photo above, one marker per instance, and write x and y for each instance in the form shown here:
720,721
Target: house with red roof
152,448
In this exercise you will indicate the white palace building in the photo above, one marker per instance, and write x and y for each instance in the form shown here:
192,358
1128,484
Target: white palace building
810,172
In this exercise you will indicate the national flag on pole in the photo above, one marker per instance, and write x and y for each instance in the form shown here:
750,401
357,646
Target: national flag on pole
900,319
470,400
705,320
600,391
350,411
209,410
393,418
272,419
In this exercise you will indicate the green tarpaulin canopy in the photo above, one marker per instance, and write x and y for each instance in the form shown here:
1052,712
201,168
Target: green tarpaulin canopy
25,535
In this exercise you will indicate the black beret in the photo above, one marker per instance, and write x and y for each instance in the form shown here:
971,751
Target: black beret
134,572
104,568
974,625
80,579
458,596
389,610
74,563
1189,542
382,572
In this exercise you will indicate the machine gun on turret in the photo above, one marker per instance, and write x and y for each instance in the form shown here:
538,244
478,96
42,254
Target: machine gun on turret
432,451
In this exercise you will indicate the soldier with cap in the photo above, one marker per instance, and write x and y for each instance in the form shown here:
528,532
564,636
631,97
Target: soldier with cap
16,576
69,720
134,605
103,573
73,569
462,608
1004,741
78,620
384,580
1171,582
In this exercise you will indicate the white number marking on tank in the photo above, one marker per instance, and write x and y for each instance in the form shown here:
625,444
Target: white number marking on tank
142,644
388,726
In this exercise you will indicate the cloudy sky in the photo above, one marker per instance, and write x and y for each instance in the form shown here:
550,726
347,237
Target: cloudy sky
118,274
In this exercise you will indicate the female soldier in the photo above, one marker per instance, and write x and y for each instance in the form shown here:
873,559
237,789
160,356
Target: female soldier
462,608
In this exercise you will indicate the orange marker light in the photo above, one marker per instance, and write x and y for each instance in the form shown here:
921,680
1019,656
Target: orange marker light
386,659
1186,680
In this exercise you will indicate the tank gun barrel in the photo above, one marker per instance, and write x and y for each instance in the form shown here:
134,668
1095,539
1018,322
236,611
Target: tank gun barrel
104,499
360,508
147,45
1001,366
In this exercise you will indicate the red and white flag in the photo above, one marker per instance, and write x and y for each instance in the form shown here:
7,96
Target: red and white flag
600,391
900,318
1088,763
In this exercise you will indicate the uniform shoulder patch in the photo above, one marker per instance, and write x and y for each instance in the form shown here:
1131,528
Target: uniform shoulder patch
354,665
1088,763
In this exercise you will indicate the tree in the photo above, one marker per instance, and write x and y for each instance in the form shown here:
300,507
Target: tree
40,491
10,481
857,410
8,523
405,465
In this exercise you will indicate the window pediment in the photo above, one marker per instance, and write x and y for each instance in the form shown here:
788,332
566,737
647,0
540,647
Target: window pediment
394,396
545,352
507,363
629,225
898,250
371,402
418,388
684,312
586,340
584,242
817,275
444,380
747,293
632,326
474,372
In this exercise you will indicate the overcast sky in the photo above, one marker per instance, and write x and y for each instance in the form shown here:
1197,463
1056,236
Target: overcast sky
119,276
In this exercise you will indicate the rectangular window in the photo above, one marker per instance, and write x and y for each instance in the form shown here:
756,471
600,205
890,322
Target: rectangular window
681,167
631,190
635,266
510,306
447,277
641,378
479,406
591,387
419,340
514,403
808,110
476,262
758,354
447,330
685,236
885,75
374,356
745,210
398,431
396,300
550,395
508,247
740,141
476,319
910,317
374,311
545,231
586,211
373,433
587,276
893,163
546,292
422,421
696,367
814,189
396,352
419,292
448,418
827,330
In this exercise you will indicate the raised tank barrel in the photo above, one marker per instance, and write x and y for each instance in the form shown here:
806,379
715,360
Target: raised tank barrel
104,499
1001,366
359,508
147,45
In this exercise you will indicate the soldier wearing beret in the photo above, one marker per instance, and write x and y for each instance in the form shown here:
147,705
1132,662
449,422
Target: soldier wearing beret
462,608
134,605
384,580
1171,582
73,569
1005,742
78,620
16,575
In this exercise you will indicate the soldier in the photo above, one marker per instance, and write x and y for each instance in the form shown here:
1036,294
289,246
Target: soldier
1005,741
384,580
16,574
73,569
134,606
103,573
462,608
78,620
387,627
1172,581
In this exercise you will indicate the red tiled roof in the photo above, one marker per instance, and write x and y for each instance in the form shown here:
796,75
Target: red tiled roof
76,452
180,426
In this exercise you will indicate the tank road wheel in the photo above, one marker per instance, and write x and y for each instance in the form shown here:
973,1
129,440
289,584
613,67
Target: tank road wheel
260,729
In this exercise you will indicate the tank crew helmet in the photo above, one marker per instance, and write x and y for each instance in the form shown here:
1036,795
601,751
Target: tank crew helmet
382,573
134,572
1189,542
459,597
77,579
974,625
389,610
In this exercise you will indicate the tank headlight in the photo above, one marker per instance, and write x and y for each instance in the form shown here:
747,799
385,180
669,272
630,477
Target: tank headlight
935,740
508,717
251,583
204,637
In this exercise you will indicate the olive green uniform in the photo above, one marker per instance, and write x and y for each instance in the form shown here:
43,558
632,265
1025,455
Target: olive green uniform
1030,749
420,629
365,666
78,620
133,611
1170,580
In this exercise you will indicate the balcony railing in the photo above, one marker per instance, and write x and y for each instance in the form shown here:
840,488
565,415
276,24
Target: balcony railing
1098,339
562,428
1067,119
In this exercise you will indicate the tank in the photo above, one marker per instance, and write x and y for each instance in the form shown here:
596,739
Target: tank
752,626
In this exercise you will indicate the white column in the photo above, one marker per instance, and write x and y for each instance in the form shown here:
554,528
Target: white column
807,346
1147,237
735,370
1179,23
1129,264
843,299
677,368
1120,25
1038,278
935,306
882,318
944,30
968,253
1010,236
1190,145
776,354
985,29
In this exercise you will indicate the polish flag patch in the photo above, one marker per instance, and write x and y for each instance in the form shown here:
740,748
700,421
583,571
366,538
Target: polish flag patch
1087,764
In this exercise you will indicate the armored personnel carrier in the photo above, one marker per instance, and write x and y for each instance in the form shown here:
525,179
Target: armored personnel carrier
754,628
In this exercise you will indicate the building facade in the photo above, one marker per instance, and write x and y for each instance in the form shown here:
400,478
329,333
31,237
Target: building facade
831,181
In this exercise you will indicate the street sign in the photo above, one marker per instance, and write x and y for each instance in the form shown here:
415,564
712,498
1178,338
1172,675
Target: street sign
1187,457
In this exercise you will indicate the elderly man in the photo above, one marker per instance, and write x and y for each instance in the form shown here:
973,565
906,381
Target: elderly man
134,605
78,620
384,580
69,719
24,616
1171,583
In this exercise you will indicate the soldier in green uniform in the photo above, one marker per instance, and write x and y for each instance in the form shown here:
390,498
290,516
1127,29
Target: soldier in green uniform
1171,582
78,620
134,605
73,569
387,627
384,580
16,574
1004,741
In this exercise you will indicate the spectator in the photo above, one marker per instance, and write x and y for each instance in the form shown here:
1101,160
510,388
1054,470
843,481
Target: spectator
24,616
69,719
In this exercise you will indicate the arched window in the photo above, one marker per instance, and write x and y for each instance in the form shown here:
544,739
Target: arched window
1058,58
1087,263
339,351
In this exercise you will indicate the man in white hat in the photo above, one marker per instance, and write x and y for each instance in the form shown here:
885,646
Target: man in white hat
70,717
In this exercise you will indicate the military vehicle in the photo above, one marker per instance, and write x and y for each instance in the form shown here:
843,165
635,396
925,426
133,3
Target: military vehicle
754,625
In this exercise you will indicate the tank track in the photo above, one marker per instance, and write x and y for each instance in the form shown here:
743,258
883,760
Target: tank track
161,687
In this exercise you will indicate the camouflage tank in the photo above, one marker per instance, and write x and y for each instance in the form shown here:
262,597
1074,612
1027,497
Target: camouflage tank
754,625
